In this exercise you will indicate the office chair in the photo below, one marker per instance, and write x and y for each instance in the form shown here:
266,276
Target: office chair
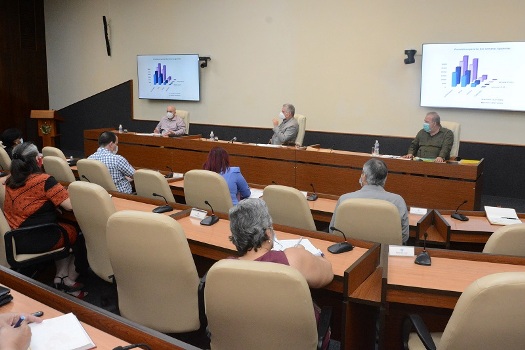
288,206
260,305
373,220
488,315
53,151
148,182
58,168
185,115
5,160
96,172
157,280
93,207
205,185
301,120
456,129
507,240
2,196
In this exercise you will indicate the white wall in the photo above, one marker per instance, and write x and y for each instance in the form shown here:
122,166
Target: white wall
339,61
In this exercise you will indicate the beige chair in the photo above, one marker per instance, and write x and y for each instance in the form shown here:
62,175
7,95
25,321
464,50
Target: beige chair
373,220
58,168
185,115
456,129
301,120
157,281
288,206
507,240
204,185
259,305
2,196
488,315
53,151
96,172
148,182
93,207
5,160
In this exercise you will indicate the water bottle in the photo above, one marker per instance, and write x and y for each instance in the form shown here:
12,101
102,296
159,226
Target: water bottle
120,129
212,136
376,148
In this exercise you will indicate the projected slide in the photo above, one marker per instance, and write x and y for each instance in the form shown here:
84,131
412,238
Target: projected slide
474,75
168,77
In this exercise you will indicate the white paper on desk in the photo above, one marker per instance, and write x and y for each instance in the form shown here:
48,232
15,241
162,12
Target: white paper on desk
418,211
267,145
256,193
144,134
60,333
502,216
400,250
280,245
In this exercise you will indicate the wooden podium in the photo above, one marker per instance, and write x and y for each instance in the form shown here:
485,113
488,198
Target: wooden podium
47,125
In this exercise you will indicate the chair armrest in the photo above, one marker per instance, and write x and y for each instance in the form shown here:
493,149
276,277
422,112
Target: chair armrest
323,325
415,321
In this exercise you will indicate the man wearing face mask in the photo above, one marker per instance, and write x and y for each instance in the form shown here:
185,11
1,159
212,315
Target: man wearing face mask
171,124
372,183
433,141
119,168
286,132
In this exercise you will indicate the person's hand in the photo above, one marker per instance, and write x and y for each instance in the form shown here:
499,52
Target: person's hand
15,338
10,319
439,160
275,122
408,156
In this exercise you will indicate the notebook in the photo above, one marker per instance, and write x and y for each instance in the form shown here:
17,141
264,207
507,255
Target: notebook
502,216
60,333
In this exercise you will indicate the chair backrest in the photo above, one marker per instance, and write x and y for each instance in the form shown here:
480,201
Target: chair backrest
456,129
373,220
2,196
93,206
5,160
488,315
157,281
96,172
185,115
288,206
53,151
301,120
4,228
148,182
58,168
507,240
205,185
258,305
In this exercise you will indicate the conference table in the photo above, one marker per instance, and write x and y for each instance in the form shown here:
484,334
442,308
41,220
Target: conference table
330,172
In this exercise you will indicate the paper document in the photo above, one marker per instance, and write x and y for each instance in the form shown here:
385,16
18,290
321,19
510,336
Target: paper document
144,133
502,216
60,333
280,245
256,193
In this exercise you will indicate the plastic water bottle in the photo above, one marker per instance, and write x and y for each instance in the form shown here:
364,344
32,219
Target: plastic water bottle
376,148
212,136
120,129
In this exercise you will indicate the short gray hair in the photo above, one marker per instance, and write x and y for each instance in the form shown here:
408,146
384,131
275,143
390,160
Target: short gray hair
249,220
435,117
290,108
375,171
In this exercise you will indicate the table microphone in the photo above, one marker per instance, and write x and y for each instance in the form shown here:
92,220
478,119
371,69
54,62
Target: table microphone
233,140
163,208
459,216
423,258
84,177
170,174
340,247
210,220
313,196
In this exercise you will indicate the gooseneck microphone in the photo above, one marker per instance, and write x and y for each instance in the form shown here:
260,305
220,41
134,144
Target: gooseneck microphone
233,140
459,216
340,247
210,220
84,177
313,196
423,258
170,174
163,208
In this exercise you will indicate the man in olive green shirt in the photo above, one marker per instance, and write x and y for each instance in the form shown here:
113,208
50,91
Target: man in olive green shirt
433,141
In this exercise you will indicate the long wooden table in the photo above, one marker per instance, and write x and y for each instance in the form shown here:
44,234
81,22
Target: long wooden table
331,172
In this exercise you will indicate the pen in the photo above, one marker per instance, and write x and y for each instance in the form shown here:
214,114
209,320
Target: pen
503,217
300,239
19,322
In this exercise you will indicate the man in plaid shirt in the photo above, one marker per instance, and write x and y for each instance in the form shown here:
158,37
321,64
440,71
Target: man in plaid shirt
119,168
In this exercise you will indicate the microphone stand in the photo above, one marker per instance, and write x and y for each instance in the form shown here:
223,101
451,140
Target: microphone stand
170,174
163,208
210,220
313,196
459,216
340,247
424,258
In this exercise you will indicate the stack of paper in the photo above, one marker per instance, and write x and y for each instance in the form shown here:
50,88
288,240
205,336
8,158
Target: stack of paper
60,333
289,243
502,216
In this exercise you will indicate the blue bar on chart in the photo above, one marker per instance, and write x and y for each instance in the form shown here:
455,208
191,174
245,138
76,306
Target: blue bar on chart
467,74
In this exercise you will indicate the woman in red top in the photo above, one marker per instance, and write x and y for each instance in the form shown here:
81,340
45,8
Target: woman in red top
31,198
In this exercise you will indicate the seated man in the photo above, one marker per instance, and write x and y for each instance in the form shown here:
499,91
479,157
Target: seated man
433,141
170,124
373,181
119,168
286,132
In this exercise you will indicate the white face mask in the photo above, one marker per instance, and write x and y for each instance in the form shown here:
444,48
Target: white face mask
21,140
169,115
115,151
281,115
361,181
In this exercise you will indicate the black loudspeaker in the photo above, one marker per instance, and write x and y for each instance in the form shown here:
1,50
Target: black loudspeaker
410,56
106,36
